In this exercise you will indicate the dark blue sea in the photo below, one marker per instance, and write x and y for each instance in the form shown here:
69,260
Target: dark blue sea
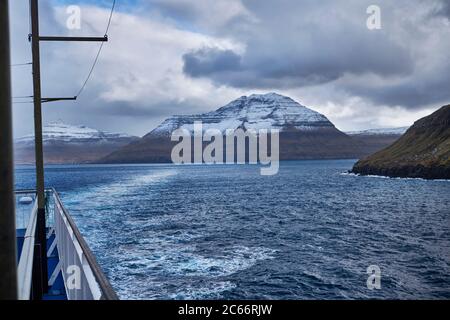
226,232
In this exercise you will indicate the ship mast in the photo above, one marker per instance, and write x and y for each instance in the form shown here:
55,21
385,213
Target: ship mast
41,229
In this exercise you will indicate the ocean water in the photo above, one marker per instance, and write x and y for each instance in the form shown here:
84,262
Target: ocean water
226,232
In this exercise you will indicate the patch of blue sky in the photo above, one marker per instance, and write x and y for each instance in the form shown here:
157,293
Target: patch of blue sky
121,5
134,7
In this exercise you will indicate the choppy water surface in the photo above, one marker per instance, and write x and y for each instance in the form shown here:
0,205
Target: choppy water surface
310,232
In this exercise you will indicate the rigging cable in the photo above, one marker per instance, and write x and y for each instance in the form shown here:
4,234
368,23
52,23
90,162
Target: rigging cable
98,52
22,97
21,64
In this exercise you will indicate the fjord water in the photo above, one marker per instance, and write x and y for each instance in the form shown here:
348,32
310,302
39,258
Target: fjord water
225,231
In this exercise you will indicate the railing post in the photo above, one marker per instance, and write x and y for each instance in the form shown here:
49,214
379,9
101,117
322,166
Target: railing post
37,284
8,272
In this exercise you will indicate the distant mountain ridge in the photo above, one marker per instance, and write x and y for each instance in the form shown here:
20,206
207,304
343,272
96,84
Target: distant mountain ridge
422,152
65,143
379,131
304,133
63,132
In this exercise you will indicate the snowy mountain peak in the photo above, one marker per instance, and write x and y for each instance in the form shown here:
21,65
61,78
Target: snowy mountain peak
58,131
257,111
271,97
380,131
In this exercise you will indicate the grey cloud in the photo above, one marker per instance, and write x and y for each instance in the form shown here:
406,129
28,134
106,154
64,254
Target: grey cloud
136,111
295,66
208,61
286,51
176,10
201,15
444,9
428,89
303,43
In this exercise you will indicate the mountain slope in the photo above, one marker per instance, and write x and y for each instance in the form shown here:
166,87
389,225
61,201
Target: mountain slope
64,143
422,152
304,133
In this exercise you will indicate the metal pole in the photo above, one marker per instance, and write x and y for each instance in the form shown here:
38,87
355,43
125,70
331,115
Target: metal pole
53,38
41,225
8,271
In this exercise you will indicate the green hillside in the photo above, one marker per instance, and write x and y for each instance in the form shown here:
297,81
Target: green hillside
422,152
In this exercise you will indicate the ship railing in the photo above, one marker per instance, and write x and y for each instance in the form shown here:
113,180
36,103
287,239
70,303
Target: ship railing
82,275
77,259
25,267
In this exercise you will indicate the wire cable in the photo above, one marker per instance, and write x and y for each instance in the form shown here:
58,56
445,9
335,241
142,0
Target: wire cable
98,52
19,100
21,64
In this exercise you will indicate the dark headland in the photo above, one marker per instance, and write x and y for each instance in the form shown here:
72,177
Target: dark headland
422,152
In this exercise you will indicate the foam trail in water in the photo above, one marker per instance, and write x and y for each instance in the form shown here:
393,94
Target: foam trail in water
111,191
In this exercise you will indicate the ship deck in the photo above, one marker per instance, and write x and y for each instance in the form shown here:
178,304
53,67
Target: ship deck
56,288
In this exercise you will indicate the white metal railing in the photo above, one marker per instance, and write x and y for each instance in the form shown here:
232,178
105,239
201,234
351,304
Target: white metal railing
82,276
25,267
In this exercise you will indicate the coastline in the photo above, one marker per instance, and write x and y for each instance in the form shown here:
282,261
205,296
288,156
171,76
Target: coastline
406,171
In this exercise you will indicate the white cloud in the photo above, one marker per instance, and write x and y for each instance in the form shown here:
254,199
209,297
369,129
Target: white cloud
140,67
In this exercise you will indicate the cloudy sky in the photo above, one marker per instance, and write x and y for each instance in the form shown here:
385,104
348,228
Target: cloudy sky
170,57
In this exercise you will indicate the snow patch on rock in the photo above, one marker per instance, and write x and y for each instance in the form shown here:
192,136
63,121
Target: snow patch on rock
380,131
59,131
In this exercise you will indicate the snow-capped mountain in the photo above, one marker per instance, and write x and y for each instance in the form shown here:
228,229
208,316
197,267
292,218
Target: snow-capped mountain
304,133
380,131
258,111
65,143
59,131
